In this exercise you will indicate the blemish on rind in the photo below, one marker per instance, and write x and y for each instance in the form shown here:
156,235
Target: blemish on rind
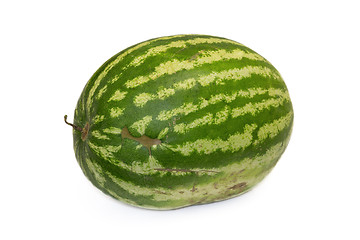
185,170
143,140
238,186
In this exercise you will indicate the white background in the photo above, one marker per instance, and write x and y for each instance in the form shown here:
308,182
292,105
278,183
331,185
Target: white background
48,51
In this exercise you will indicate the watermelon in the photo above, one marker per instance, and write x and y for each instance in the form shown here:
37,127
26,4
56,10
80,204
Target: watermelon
181,120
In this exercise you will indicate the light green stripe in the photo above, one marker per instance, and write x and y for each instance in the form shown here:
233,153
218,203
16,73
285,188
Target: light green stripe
223,115
118,59
101,92
146,167
141,99
177,44
96,170
183,128
98,119
163,133
185,109
254,108
130,187
209,119
116,112
222,187
106,70
117,96
237,74
188,108
98,135
218,78
112,130
106,152
234,143
171,67
117,196
271,130
140,125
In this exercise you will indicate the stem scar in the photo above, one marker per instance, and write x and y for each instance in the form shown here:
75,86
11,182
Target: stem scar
84,131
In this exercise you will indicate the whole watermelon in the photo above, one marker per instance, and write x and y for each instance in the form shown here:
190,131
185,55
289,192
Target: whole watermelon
181,120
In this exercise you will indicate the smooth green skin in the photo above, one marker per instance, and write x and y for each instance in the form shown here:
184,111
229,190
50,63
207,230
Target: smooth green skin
245,179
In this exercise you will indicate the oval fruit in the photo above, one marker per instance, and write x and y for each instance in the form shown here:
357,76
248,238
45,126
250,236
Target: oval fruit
181,120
